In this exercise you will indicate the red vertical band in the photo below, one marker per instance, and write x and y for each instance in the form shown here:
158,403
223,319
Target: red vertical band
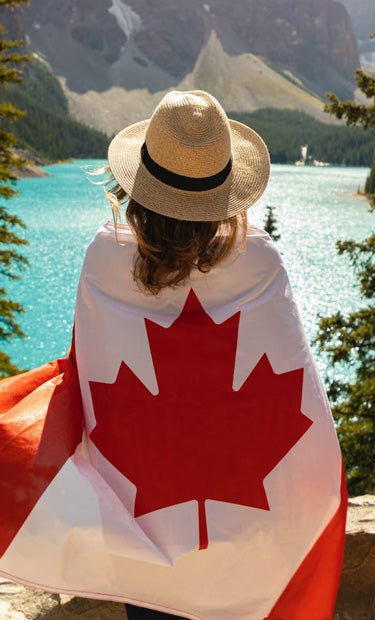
311,593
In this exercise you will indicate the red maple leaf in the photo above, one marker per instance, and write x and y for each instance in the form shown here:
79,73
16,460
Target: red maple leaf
198,438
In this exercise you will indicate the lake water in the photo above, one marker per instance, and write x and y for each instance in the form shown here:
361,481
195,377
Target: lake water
314,207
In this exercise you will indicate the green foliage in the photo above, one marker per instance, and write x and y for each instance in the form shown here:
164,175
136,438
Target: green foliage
11,262
48,130
270,223
285,131
14,3
9,258
41,85
356,113
351,339
9,71
370,185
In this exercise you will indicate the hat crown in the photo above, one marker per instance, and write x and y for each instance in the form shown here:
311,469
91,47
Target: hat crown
189,134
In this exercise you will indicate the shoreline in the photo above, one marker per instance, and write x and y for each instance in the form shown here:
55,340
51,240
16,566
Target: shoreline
32,168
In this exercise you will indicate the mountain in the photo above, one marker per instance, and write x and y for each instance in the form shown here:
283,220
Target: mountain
362,16
115,60
47,131
240,83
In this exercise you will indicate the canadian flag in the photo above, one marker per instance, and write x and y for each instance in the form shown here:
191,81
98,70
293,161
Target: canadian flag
183,457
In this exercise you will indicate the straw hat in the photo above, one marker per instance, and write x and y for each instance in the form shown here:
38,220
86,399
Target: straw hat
189,161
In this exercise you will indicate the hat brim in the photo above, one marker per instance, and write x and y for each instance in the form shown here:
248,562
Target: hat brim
242,188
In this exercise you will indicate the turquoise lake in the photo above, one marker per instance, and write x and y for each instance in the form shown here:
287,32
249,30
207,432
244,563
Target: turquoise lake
314,207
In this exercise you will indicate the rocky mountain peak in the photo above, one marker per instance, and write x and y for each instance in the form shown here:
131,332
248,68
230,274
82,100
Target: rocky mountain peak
313,39
106,52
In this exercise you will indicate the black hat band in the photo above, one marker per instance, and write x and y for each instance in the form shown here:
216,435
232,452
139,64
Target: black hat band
190,184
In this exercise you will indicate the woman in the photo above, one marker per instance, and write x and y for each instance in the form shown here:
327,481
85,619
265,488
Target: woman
207,480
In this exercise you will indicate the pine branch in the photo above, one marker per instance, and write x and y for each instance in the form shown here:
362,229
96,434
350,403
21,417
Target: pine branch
14,3
365,82
8,111
11,261
354,113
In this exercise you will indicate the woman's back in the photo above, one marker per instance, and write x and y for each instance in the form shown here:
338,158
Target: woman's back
206,417
183,458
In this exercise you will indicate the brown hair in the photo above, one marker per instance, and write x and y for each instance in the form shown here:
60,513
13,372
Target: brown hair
169,249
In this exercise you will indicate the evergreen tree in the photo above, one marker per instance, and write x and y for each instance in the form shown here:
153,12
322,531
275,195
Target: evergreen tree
47,129
354,113
270,223
351,339
370,184
10,259
285,131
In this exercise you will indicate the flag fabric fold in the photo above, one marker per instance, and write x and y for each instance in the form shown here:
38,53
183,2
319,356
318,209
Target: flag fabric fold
183,456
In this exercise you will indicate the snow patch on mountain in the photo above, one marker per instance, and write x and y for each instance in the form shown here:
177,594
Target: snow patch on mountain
128,20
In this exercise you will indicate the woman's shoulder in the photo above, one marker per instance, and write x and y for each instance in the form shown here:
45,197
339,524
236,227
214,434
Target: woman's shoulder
114,232
258,241
119,240
110,245
253,232
114,245
122,234
113,236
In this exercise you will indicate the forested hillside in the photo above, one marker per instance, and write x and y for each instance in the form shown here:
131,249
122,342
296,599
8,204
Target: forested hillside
285,131
47,129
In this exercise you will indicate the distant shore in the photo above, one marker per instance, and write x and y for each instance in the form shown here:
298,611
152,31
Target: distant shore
32,169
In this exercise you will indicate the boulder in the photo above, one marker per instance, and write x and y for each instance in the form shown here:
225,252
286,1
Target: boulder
356,597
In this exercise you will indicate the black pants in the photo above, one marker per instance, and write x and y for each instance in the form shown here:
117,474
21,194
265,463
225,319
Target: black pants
140,613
